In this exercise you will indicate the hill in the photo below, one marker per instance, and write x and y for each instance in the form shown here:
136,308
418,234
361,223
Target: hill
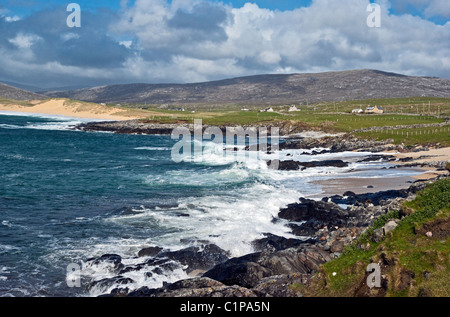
10,92
269,89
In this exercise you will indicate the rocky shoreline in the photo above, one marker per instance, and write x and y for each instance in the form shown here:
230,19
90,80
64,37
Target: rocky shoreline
278,265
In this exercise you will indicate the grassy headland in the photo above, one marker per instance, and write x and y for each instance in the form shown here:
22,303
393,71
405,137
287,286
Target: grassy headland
414,257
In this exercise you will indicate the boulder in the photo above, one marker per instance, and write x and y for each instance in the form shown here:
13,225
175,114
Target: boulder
308,209
249,270
378,235
195,287
291,165
150,251
198,257
111,263
390,226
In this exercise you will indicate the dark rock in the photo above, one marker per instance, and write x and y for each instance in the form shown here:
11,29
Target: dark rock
243,271
198,258
195,287
109,262
308,209
248,270
290,165
150,251
272,242
281,285
104,284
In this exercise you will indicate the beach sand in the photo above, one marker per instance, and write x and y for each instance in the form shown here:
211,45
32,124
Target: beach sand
426,156
64,107
339,186
372,185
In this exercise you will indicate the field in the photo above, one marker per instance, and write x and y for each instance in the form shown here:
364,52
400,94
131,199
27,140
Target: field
405,120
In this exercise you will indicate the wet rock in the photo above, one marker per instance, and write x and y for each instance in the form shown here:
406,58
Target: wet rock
107,283
111,263
195,287
308,209
198,258
291,165
150,251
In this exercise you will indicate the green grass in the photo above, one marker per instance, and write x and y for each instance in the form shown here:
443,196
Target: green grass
6,101
412,136
413,105
409,252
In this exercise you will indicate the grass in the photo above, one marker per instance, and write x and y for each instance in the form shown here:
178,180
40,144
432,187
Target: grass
403,252
6,101
412,136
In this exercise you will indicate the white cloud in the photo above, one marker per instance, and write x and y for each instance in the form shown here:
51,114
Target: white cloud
127,44
438,8
24,41
69,36
12,19
191,41
327,35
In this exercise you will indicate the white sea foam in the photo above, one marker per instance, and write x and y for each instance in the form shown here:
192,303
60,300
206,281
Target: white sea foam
231,219
58,122
153,148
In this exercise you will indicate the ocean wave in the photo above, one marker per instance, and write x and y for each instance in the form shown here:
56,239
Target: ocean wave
153,148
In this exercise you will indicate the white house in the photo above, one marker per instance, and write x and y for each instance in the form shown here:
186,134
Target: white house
357,111
293,108
270,109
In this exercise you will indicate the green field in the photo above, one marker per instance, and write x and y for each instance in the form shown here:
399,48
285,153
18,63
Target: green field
411,136
334,117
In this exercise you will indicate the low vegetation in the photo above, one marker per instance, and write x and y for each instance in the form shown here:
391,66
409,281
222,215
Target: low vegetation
414,258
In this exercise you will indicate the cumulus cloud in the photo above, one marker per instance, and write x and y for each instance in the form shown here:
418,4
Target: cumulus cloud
197,40
430,8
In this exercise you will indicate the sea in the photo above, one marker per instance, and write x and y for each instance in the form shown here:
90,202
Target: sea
67,196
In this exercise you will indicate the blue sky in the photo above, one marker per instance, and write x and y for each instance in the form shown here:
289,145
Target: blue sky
154,41
25,7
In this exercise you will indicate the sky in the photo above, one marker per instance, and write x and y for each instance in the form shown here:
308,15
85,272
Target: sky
185,41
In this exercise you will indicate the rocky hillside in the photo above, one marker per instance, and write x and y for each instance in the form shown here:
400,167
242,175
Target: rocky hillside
10,92
269,89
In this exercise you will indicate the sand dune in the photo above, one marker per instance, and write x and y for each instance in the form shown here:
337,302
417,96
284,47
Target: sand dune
65,107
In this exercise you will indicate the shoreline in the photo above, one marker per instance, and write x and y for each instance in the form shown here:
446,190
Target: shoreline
277,258
65,108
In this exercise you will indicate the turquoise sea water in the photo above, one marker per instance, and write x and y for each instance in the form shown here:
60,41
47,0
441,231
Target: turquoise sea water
66,196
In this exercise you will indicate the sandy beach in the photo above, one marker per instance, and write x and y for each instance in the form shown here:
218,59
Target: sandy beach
64,107
371,185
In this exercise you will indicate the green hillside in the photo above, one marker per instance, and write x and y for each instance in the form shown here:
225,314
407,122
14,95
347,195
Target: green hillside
414,258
